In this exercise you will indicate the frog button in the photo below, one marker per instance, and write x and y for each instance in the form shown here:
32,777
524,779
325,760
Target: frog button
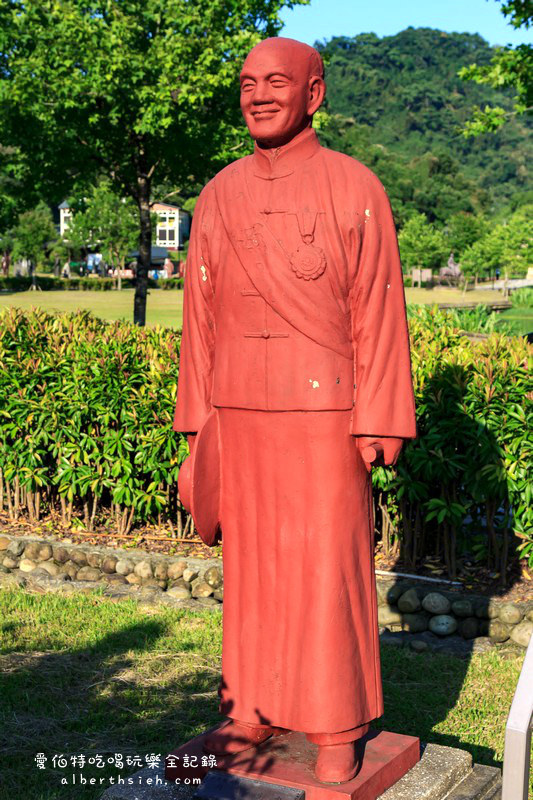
266,334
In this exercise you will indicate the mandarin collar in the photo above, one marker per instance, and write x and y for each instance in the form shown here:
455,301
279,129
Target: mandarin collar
279,162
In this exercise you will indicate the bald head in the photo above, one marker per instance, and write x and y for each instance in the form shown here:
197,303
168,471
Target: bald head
282,85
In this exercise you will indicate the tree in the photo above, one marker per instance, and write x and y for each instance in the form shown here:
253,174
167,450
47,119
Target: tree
133,90
463,230
508,247
510,68
34,231
422,244
107,222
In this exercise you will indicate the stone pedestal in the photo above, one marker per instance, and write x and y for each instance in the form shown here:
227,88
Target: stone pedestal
289,761
443,773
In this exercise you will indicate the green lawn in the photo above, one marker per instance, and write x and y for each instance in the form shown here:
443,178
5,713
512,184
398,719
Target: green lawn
165,307
83,675
520,319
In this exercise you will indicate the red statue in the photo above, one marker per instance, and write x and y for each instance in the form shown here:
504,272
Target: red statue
295,351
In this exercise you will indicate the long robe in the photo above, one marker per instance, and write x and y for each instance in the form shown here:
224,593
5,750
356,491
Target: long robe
295,330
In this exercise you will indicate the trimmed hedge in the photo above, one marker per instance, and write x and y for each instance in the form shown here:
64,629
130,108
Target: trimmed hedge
86,426
49,283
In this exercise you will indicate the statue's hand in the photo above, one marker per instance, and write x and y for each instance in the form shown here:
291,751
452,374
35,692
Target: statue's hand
379,451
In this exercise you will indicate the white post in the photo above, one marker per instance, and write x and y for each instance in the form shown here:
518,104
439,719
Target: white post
518,734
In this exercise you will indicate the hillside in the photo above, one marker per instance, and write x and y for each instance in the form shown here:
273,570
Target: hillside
397,104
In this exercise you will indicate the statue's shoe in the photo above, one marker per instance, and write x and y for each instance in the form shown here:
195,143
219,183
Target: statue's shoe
235,736
337,763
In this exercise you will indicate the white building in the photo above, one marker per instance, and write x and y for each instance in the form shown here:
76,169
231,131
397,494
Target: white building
173,226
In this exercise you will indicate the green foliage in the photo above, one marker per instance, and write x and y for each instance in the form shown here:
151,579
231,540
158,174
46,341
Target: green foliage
463,230
398,105
133,90
509,68
508,246
422,244
105,222
34,231
96,401
522,298
463,486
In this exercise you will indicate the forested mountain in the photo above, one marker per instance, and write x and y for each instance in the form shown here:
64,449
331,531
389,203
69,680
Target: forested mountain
398,105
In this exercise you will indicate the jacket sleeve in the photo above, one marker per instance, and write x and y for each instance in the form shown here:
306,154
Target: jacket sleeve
383,393
198,332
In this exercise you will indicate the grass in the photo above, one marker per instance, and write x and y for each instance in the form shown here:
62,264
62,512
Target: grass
520,319
163,307
84,675
166,307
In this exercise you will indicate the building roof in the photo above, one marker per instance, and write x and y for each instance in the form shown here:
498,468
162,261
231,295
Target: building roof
64,204
166,205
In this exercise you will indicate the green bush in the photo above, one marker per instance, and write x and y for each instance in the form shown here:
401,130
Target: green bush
49,283
86,412
94,403
462,487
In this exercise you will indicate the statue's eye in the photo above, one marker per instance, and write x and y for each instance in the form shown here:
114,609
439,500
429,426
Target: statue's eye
278,83
247,86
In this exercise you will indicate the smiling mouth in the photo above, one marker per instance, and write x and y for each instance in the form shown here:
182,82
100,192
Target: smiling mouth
264,114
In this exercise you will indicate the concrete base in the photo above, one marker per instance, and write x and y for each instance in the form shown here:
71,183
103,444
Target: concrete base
289,760
442,772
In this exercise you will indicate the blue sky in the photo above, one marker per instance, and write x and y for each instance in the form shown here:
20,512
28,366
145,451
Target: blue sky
326,18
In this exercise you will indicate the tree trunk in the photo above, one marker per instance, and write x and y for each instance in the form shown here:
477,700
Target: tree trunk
145,250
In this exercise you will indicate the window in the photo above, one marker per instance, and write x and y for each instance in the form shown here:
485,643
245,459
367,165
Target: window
171,235
162,234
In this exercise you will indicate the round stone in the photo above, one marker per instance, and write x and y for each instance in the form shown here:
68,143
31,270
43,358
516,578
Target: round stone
94,559
498,631
207,601
15,548
4,542
176,569
88,574
10,562
418,645
144,569
436,603
213,576
468,627
27,565
70,569
78,556
109,564
530,615
134,579
201,589
190,574
218,594
388,616
124,566
179,593
522,633
60,554
388,592
44,552
114,577
51,567
409,602
415,623
443,624
161,571
31,550
510,614
463,608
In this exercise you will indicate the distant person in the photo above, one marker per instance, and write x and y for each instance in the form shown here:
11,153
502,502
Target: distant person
168,266
66,270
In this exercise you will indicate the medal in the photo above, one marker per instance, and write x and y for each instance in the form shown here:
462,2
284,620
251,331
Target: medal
308,261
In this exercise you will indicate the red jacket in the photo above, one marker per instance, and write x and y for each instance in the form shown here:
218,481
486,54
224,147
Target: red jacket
294,295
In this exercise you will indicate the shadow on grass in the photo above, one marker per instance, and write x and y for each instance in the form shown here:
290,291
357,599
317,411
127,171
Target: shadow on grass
103,699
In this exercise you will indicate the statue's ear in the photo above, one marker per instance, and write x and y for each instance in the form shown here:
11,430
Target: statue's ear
317,92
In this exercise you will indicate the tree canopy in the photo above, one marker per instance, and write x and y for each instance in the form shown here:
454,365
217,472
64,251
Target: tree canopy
132,90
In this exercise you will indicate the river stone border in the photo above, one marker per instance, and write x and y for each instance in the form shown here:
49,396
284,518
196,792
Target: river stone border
409,611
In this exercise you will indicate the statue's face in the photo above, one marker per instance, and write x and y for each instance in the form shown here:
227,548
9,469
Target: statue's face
278,94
